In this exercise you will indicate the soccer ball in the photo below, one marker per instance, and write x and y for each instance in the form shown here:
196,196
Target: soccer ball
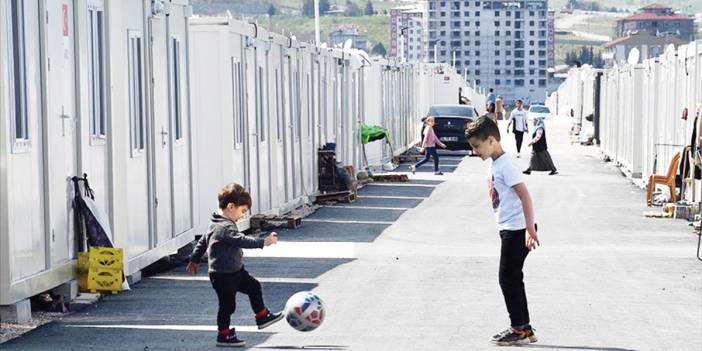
304,311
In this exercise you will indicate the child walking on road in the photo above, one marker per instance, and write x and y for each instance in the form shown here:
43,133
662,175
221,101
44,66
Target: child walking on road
514,213
224,243
429,146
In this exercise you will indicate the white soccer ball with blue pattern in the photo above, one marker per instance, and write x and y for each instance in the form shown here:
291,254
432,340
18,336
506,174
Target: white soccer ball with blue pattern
304,311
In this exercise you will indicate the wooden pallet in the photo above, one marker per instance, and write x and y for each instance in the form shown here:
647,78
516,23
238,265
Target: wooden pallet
338,196
410,158
291,221
391,178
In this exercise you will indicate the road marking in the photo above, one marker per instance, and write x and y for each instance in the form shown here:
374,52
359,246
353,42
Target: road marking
391,197
263,280
179,327
306,249
404,184
346,221
370,207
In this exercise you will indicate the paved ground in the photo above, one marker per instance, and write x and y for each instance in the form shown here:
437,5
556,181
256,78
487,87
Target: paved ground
414,267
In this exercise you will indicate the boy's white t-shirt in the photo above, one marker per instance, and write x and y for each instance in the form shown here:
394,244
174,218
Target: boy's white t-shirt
520,119
502,176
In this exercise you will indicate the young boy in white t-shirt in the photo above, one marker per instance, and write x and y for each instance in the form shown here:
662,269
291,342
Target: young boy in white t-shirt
515,219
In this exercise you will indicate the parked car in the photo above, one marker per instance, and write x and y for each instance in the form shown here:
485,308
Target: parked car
538,111
451,123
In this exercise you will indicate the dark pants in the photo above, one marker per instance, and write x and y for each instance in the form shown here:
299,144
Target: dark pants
227,285
429,151
512,256
519,136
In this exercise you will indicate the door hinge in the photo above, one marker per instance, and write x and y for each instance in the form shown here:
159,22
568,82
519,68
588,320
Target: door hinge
156,201
47,17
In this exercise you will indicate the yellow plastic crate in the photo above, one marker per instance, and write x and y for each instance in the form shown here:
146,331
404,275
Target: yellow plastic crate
100,257
101,280
105,257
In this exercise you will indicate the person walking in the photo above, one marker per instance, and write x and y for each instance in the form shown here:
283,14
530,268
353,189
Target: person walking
491,112
500,107
540,157
518,121
491,97
429,146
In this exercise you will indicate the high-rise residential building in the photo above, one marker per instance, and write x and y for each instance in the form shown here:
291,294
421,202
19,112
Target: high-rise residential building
407,33
507,45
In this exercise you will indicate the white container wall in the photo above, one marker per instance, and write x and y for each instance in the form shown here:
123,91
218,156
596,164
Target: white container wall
162,110
299,99
75,98
641,124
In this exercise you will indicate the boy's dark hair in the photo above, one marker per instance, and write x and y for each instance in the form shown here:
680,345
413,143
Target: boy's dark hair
482,128
520,100
233,193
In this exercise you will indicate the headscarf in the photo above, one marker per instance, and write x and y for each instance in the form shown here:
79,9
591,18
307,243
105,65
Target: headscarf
539,124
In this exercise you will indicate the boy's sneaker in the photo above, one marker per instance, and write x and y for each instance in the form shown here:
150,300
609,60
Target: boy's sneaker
230,340
511,337
438,173
268,319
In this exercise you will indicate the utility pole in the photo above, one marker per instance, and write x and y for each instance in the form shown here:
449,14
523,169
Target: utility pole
316,23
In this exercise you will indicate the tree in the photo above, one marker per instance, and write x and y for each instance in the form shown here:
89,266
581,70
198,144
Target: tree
352,10
586,55
370,11
379,49
272,11
308,7
324,7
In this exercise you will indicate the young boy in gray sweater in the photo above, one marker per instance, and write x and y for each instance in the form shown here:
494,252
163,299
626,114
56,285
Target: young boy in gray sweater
224,243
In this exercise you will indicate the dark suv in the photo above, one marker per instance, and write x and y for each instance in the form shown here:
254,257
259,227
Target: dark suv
451,123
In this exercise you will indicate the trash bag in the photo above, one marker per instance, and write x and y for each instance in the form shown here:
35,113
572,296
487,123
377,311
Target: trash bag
373,133
92,222
346,181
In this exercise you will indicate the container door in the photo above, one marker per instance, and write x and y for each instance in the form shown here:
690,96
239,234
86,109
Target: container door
60,125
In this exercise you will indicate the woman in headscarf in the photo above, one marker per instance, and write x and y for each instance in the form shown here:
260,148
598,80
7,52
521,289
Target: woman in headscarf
540,158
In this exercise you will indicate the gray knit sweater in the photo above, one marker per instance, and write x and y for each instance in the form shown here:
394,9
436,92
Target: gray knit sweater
224,243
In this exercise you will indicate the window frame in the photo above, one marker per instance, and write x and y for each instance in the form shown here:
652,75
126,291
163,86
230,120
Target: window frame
21,138
175,45
238,103
137,141
97,73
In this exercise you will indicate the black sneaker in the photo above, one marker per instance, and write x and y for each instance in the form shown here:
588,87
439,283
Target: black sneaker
230,340
268,320
501,334
438,173
527,172
553,173
512,337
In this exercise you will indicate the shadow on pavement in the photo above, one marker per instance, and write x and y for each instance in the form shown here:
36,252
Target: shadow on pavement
175,310
562,347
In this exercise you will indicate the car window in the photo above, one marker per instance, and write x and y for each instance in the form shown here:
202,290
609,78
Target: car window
539,109
466,111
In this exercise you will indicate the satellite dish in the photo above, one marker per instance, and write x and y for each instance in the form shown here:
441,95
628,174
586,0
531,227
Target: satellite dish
634,56
348,44
355,62
669,48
